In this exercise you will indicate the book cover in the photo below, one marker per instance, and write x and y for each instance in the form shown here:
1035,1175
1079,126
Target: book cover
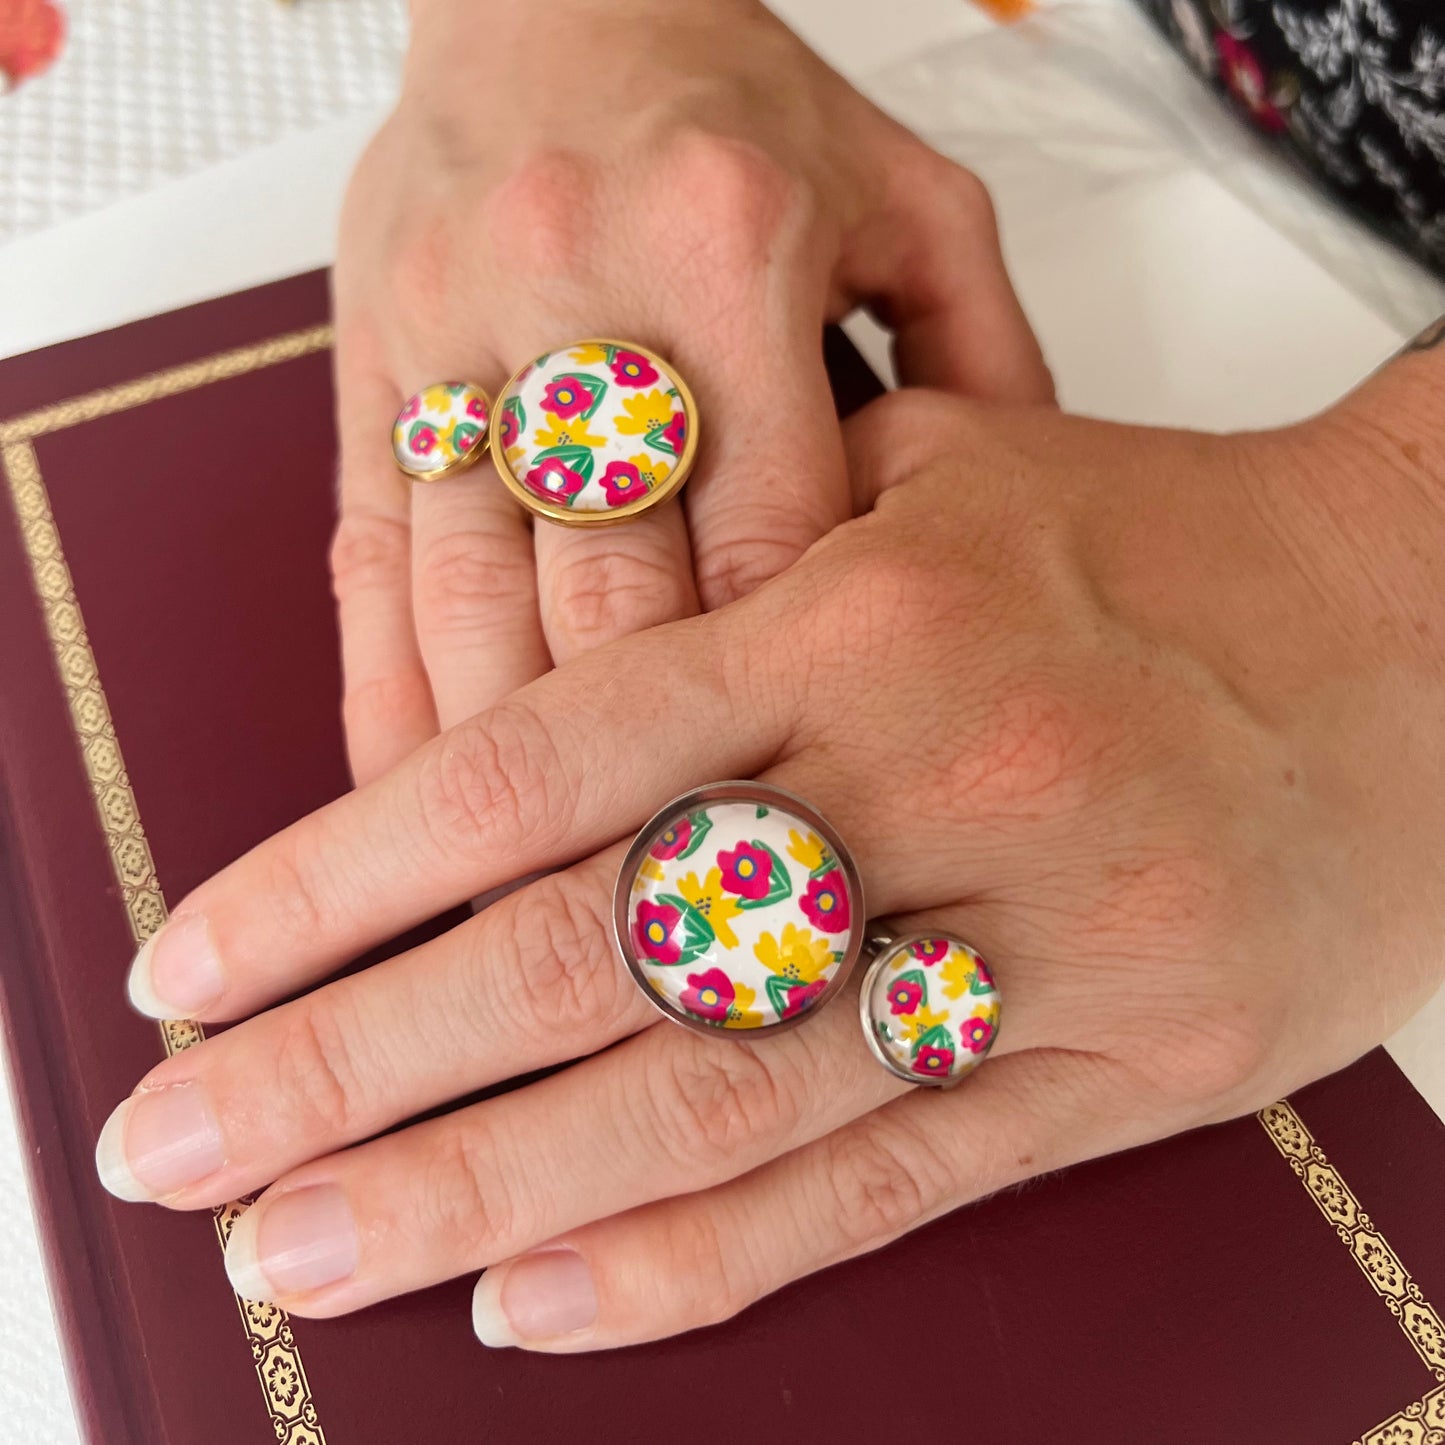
170,697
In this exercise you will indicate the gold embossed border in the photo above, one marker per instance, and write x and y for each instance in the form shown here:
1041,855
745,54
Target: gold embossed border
1422,1423
278,1361
279,1369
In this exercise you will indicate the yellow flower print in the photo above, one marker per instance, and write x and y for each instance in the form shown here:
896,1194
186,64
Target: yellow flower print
436,399
589,354
653,470
570,433
742,1014
916,1025
651,871
714,905
957,974
649,412
801,955
809,851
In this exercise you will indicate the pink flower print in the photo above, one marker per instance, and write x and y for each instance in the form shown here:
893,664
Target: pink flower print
623,483
412,409
904,996
930,950
804,996
672,840
826,902
566,398
932,1061
423,440
974,1034
509,429
746,871
709,994
631,368
554,481
652,931
674,434
477,408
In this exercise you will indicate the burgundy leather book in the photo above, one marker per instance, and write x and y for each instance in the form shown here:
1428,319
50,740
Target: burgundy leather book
169,698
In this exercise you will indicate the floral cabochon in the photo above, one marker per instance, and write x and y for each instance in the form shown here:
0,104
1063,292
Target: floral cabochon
594,432
931,1009
440,429
739,912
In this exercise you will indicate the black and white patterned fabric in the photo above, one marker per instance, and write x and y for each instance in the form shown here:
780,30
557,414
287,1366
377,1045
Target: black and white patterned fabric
1355,87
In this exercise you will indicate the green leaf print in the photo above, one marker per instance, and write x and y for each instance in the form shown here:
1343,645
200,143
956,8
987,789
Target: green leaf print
580,459
658,442
701,823
780,881
762,811
697,934
826,864
777,990
517,412
935,1038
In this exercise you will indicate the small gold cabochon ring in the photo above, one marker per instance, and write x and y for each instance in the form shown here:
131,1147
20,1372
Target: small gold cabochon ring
930,1008
738,910
595,433
441,430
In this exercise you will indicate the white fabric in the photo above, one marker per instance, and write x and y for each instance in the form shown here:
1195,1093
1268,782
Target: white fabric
1173,275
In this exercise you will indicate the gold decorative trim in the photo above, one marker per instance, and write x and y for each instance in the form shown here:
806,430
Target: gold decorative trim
1379,1263
1422,1423
171,382
279,1370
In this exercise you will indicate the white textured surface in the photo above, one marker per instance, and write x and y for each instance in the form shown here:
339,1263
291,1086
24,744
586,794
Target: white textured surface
1159,291
34,1406
147,90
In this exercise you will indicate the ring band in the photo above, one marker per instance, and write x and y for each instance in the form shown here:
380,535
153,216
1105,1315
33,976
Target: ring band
440,431
595,433
930,1007
738,908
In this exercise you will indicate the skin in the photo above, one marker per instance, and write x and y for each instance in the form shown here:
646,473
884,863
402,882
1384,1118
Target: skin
720,198
1154,719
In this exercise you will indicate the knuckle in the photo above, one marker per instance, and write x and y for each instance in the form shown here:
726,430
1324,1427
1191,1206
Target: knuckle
733,200
1032,751
379,701
561,976
541,216
598,594
874,1194
695,1252
467,1198
710,1104
464,578
1207,1057
369,553
732,568
497,778
325,1085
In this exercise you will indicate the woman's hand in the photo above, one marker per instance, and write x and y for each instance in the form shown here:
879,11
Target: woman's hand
682,173
1153,719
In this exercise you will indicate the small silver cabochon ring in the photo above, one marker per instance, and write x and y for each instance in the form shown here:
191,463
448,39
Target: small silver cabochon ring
930,1008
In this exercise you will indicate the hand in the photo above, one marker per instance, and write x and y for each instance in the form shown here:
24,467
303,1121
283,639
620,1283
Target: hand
696,181
1153,719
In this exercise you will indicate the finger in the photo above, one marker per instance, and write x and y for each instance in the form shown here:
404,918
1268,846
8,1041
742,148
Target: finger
700,1258
575,760
387,703
596,586
531,982
770,477
930,265
475,593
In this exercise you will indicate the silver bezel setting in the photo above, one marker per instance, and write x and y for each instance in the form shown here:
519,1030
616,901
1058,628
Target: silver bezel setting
885,948
767,795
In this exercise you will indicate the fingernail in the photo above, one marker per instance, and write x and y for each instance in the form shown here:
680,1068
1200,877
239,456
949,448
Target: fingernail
154,1144
293,1243
535,1298
176,973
